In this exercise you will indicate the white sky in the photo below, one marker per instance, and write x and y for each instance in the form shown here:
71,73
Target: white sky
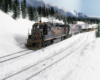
67,4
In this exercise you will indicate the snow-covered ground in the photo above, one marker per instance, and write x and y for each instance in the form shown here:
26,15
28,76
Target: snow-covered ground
13,33
76,58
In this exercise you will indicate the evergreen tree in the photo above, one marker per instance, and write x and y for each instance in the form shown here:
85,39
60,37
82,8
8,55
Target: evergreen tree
44,11
16,9
49,11
39,10
10,4
5,6
35,15
30,13
23,8
52,11
56,14
1,4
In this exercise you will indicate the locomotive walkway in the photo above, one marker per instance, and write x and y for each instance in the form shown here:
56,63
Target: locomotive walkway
29,72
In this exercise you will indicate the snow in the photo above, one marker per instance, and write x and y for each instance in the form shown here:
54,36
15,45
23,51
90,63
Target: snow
93,26
80,22
13,33
11,36
82,64
76,58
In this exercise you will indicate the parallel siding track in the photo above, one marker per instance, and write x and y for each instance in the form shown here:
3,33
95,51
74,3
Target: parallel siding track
76,42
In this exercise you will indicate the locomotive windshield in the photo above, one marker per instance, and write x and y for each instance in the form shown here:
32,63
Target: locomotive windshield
39,25
35,26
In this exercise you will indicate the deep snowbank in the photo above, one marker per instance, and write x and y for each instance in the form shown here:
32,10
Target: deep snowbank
21,63
13,33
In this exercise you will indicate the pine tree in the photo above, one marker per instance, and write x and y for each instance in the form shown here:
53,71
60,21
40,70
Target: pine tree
4,6
49,11
1,4
10,4
39,10
56,14
16,9
23,8
35,15
52,11
30,13
44,11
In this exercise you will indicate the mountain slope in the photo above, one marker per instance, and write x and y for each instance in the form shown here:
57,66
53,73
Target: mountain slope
36,3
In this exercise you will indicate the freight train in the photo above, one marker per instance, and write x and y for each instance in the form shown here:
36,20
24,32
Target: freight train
47,33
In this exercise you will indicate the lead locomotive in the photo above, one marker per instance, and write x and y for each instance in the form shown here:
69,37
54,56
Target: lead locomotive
44,34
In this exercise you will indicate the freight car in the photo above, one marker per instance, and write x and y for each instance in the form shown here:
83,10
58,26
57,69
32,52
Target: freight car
44,34
85,27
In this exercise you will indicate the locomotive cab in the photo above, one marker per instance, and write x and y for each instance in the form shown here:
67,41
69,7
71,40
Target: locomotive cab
35,40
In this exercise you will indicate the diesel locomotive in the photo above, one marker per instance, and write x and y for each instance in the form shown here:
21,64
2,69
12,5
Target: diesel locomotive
46,33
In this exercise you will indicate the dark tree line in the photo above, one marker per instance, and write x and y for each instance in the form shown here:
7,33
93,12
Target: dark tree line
26,11
34,12
6,5
86,20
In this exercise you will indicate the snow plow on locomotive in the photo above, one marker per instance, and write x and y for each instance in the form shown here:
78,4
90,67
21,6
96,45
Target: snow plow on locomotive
44,34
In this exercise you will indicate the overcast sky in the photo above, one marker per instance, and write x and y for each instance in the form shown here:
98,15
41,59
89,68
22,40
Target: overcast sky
67,4
88,7
91,7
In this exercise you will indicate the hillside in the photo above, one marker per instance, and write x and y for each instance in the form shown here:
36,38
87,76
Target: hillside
13,33
36,3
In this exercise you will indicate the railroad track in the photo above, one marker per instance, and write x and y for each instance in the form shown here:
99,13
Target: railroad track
14,56
19,54
31,77
50,58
